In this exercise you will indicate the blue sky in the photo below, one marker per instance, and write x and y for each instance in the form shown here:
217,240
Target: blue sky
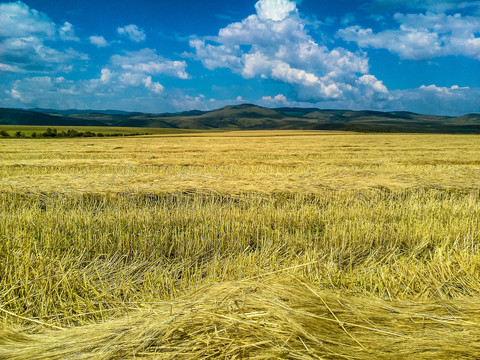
159,56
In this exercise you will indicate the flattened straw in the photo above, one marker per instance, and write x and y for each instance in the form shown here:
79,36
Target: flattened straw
96,312
31,320
281,270
335,316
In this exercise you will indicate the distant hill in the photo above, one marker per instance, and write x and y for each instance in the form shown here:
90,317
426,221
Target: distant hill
73,111
251,117
28,117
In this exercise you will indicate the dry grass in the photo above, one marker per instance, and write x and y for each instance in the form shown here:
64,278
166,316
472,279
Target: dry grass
301,162
108,238
267,319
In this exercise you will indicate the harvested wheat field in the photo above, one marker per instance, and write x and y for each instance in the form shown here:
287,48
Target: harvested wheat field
265,244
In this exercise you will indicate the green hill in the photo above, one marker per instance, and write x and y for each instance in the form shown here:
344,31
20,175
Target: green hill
251,117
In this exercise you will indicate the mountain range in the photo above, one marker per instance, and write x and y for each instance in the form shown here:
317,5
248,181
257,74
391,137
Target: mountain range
251,117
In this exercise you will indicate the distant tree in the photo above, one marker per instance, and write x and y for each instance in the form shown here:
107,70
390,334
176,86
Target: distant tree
100,135
3,133
50,133
34,135
73,133
19,134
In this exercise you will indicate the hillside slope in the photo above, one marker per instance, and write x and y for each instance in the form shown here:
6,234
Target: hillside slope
251,117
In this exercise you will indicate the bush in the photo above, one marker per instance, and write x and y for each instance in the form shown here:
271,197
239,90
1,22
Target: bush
50,133
73,133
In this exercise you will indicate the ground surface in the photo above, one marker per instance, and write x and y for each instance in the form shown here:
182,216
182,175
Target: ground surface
380,233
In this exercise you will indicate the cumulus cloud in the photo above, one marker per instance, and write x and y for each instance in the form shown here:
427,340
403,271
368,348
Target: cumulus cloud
156,87
44,91
131,79
426,99
274,44
435,5
30,54
276,100
98,41
66,32
147,61
372,82
135,69
98,93
23,34
18,20
432,99
106,75
133,32
422,36
183,101
275,10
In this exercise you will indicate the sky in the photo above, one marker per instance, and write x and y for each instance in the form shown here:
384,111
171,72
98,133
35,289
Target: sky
167,56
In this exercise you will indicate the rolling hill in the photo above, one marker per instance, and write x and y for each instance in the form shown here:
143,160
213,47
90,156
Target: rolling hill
251,117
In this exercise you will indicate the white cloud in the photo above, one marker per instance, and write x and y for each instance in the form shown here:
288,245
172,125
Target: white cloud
156,87
135,92
187,102
147,61
372,81
29,54
442,89
67,33
106,75
15,94
282,50
131,79
134,71
422,36
217,56
23,33
61,93
433,99
17,20
283,71
133,32
277,99
8,68
98,41
275,10
44,90
434,5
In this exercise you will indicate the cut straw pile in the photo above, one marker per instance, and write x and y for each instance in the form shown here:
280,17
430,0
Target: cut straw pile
270,318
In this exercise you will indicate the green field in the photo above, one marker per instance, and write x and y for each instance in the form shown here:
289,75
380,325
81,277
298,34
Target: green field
268,244
29,129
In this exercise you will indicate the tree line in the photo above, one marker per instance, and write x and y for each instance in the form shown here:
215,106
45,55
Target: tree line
70,133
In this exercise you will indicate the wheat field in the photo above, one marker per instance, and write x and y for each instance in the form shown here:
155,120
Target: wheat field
260,244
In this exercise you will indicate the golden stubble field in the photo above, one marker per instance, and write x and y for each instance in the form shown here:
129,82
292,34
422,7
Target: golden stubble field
263,161
267,244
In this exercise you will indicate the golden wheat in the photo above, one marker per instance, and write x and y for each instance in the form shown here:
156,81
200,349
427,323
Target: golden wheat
94,229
